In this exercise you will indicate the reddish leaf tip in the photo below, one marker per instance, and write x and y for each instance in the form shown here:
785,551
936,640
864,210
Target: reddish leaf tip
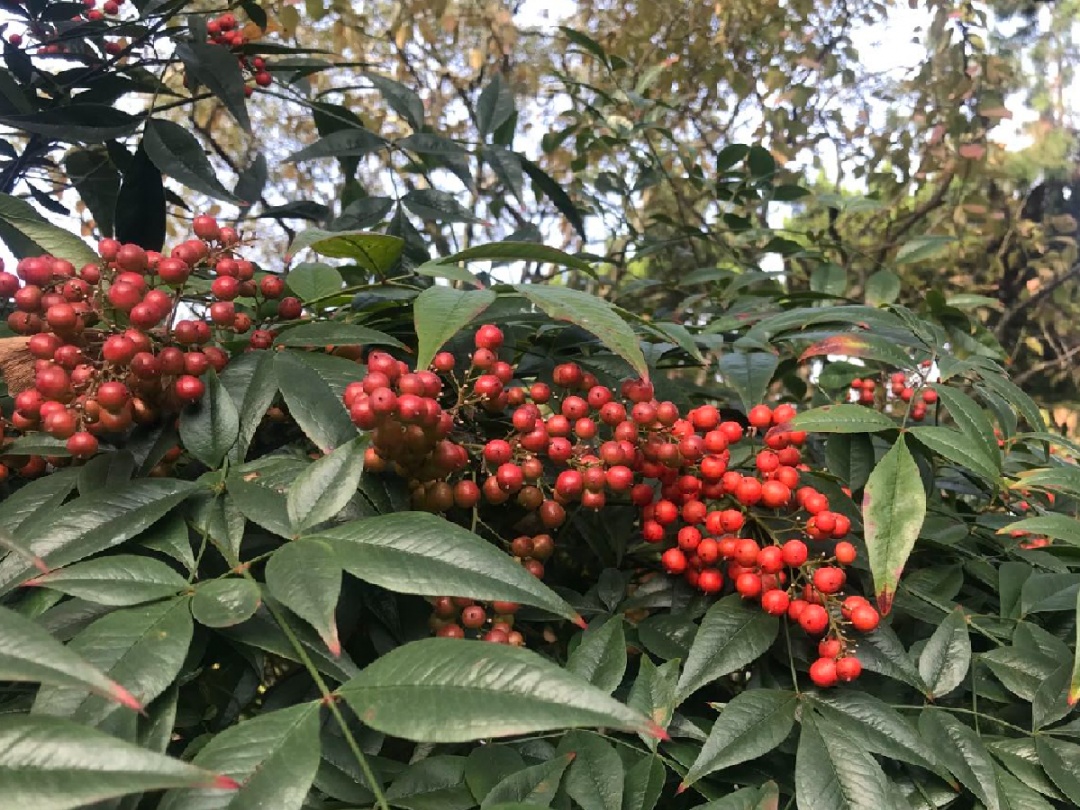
580,622
33,583
1074,696
884,601
658,731
225,782
125,698
681,788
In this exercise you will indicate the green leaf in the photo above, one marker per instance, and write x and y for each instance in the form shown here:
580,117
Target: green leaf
51,764
334,333
36,499
420,553
958,448
753,723
487,765
210,428
274,756
963,753
1015,795
28,654
250,381
374,252
402,100
869,722
121,580
314,281
653,692
749,798
477,690
305,576
94,523
543,183
76,123
883,287
434,783
494,107
946,658
326,486
518,252
846,418
140,205
1059,479
225,602
831,774
1074,679
219,518
893,507
731,636
142,648
829,279
1022,760
592,314
600,658
850,457
433,205
216,67
972,420
318,411
98,183
881,651
352,142
596,775
440,313
862,345
259,491
1061,761
534,786
749,373
178,154
46,238
922,248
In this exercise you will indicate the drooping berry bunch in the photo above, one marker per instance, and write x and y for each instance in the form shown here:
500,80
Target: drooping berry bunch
118,342
226,30
904,387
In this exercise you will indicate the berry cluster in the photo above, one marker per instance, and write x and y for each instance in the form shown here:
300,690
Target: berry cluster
226,30
51,36
456,617
902,387
109,344
577,442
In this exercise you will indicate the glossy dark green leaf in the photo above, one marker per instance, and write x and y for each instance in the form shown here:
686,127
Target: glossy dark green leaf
216,67
97,180
314,281
753,723
225,602
600,658
274,756
179,155
1015,795
653,691
882,287
893,507
871,723
592,314
402,99
419,553
47,763
494,107
305,576
518,252
749,374
140,647
312,403
93,523
447,690
48,238
36,499
962,751
1061,761
946,658
881,651
1021,758
958,448
375,252
544,184
1074,676
1056,527
830,774
972,420
28,654
120,580
140,205
851,458
76,123
534,786
210,428
844,418
487,765
333,333
434,205
440,313
644,783
343,143
326,486
434,783
731,636
595,777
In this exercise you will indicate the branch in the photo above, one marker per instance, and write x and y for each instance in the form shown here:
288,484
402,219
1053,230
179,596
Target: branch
1042,294
935,200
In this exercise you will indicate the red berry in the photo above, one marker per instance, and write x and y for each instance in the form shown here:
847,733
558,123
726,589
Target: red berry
848,668
814,619
795,553
290,308
82,444
490,337
710,580
189,388
823,672
760,416
830,647
845,553
674,561
865,618
748,585
775,602
828,579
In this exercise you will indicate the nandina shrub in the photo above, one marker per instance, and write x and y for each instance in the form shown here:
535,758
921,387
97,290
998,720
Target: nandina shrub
502,547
